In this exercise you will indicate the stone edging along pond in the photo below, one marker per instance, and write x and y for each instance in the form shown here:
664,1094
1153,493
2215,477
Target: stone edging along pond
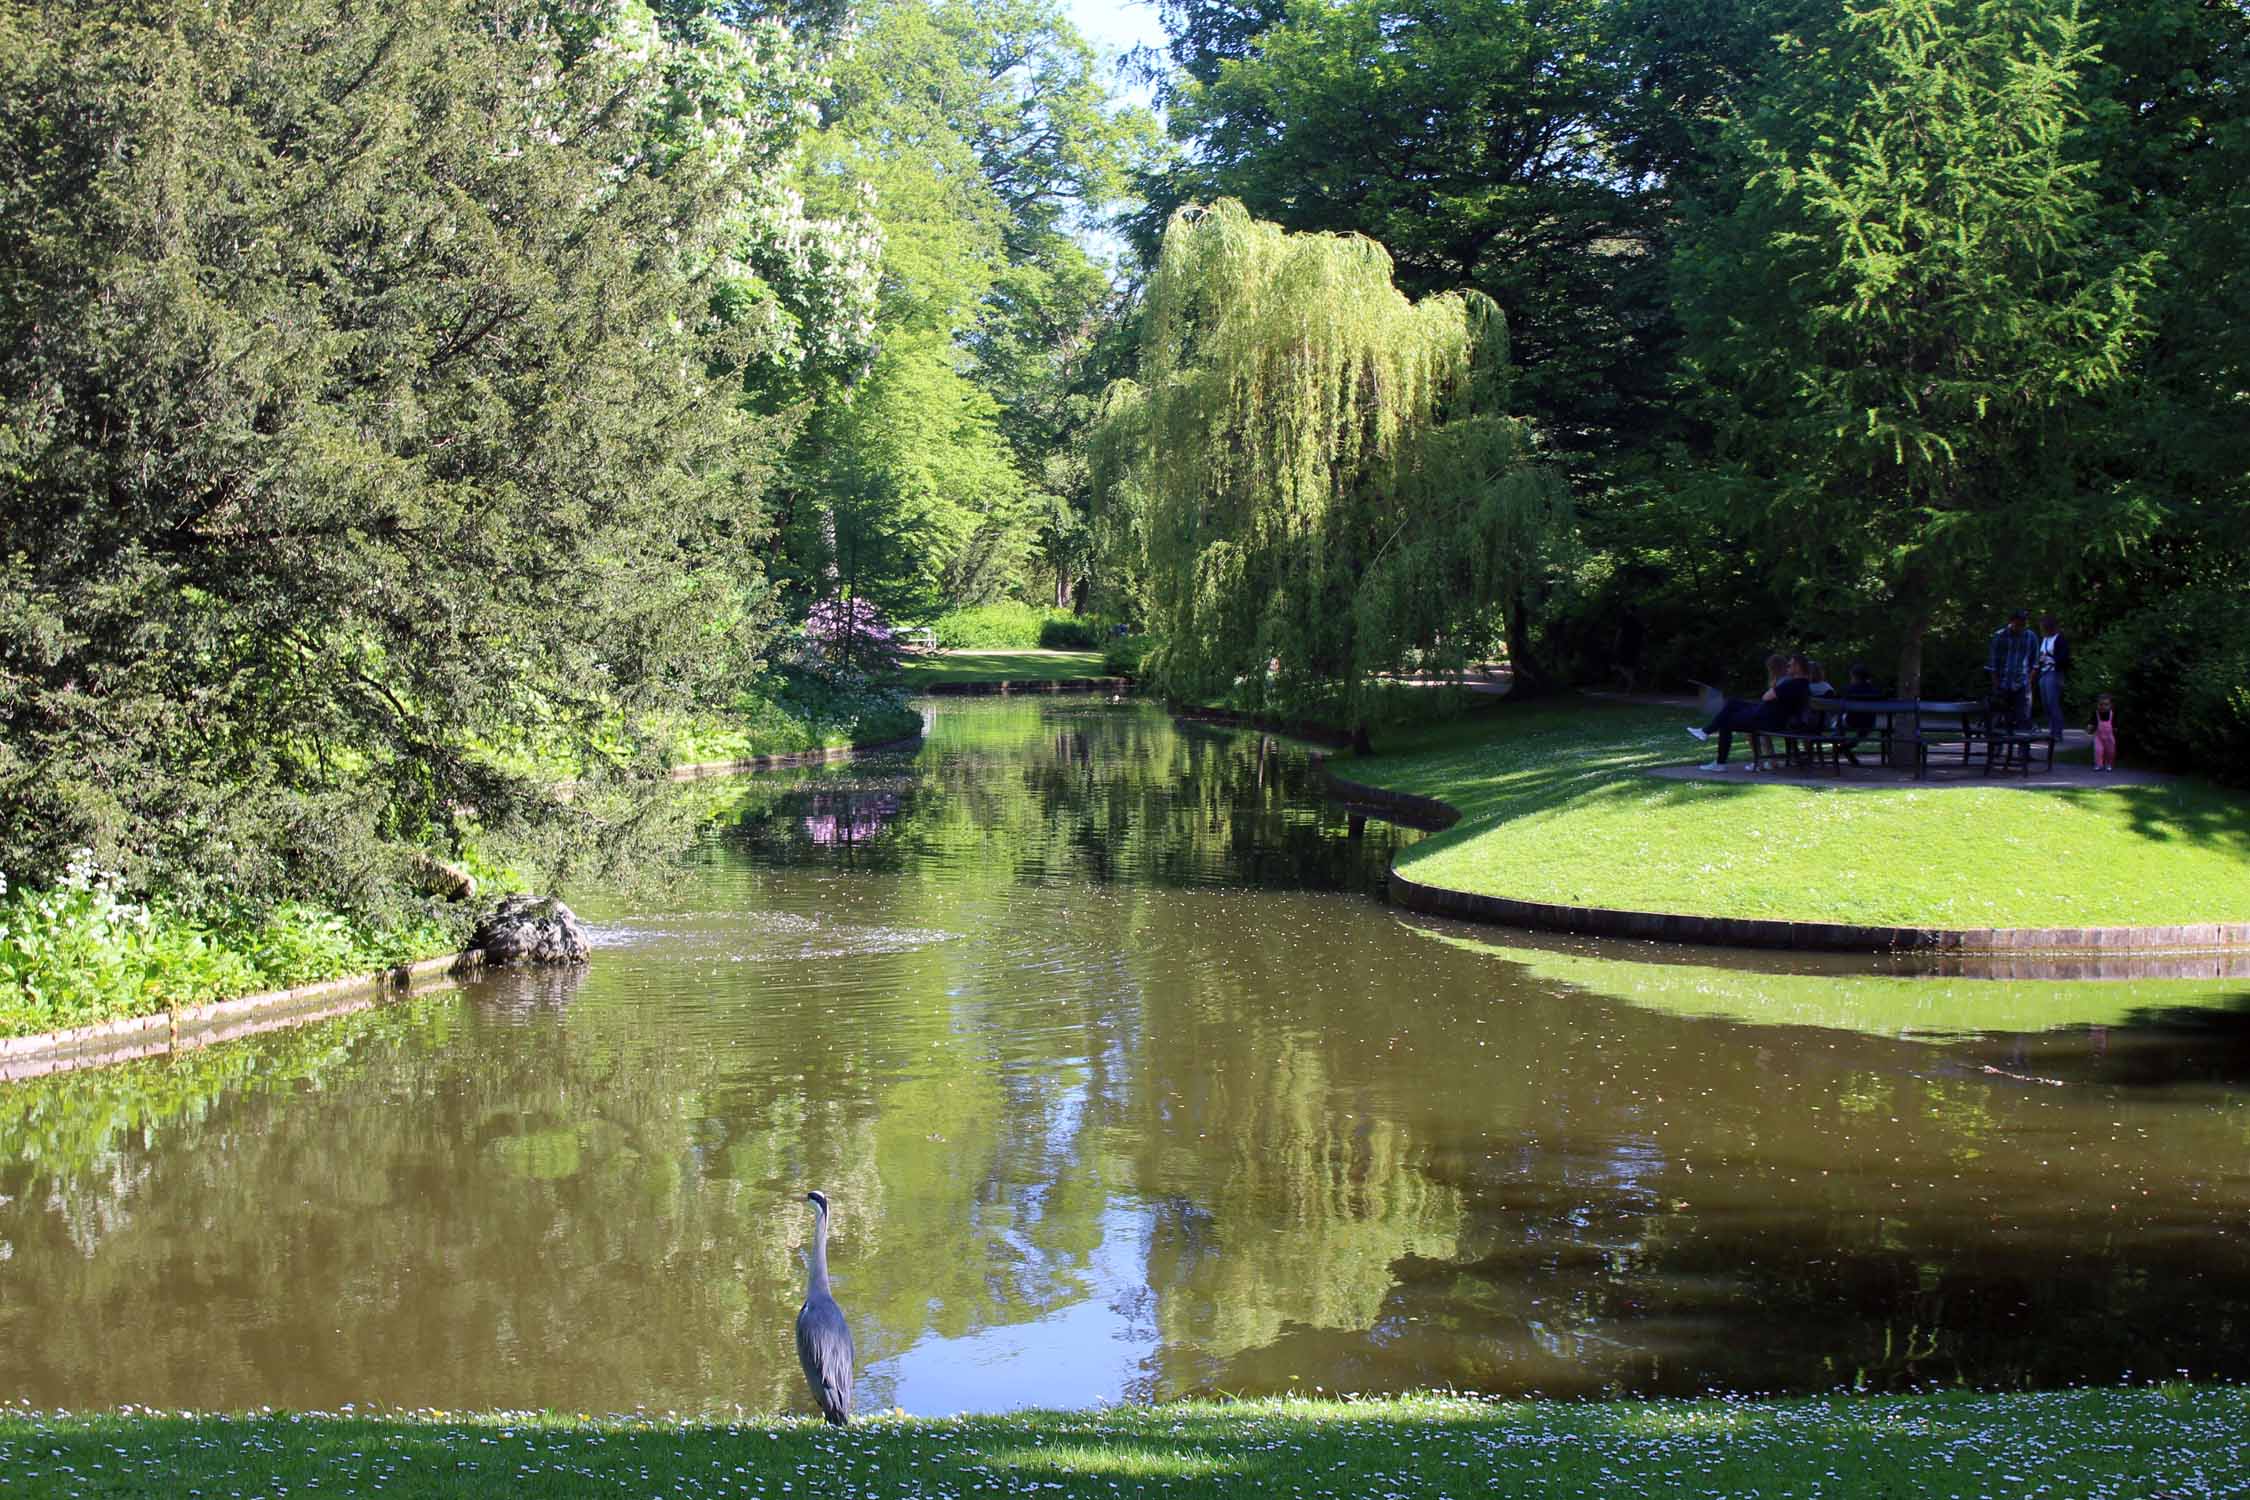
1751,932
192,1026
221,1020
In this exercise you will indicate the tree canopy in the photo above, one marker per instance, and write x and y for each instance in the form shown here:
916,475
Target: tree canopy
1330,483
367,433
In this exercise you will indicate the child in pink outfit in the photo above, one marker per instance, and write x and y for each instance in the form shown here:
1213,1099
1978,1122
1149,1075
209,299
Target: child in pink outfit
2105,734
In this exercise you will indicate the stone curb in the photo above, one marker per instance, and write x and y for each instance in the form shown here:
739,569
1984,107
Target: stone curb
1757,932
200,1025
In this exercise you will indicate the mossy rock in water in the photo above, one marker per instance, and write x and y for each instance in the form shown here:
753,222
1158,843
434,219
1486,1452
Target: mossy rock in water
532,930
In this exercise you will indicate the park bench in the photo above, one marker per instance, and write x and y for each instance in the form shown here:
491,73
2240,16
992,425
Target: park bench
918,638
1798,746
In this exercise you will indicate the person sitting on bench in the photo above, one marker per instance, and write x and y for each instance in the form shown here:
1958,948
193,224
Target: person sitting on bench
1857,726
1782,706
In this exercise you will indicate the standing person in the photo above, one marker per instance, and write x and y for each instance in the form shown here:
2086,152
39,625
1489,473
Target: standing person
1782,705
2007,662
2052,664
2105,734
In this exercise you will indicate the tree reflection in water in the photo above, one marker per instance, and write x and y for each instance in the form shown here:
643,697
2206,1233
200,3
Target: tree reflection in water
1109,1107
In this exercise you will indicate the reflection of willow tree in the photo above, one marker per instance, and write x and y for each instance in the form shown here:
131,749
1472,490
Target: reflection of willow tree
1286,1196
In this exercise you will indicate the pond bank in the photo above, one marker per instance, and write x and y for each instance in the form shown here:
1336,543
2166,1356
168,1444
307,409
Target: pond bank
1552,822
157,1023
2089,1444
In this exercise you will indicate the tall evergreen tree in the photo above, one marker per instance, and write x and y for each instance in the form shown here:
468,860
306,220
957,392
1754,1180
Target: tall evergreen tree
1901,302
367,449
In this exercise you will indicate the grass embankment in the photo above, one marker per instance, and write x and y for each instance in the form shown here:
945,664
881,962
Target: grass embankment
946,667
2089,1445
1555,809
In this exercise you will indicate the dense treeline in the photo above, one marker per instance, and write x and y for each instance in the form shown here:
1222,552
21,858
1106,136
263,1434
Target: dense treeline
1851,324
419,423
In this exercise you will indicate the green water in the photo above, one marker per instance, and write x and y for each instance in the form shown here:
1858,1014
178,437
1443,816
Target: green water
1125,1085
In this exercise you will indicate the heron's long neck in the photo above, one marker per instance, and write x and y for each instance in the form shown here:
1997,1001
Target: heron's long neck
819,1280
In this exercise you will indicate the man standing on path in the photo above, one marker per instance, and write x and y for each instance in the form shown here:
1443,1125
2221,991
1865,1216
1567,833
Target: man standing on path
2052,664
2008,663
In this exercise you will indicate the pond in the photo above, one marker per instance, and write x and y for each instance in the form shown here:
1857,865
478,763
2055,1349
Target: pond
1126,1084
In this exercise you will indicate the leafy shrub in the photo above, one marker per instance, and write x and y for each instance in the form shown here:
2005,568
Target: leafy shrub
993,627
80,951
1123,655
2180,673
1070,633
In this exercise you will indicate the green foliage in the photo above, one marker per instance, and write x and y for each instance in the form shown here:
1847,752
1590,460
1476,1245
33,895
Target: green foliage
1480,142
80,951
364,426
1127,655
2179,671
1070,633
977,135
1327,484
988,627
793,711
1901,303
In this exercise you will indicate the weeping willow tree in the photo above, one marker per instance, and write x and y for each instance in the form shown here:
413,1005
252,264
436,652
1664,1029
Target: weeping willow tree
1319,472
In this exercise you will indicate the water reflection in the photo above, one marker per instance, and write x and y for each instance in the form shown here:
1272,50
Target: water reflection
1108,1108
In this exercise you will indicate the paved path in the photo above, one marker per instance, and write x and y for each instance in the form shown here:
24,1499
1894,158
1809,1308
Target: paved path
2064,777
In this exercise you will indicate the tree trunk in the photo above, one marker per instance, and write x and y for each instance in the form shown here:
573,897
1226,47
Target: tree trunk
1528,676
1905,726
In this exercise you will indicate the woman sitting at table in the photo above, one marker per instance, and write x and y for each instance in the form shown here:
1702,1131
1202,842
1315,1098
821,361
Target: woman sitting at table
1782,706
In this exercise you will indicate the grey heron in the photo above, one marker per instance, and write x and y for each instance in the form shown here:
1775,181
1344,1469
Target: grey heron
824,1339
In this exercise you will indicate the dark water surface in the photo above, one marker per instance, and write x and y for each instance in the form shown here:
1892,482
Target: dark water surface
1125,1086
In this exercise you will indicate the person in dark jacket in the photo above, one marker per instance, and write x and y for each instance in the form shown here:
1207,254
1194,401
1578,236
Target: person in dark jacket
1861,686
2050,665
1782,706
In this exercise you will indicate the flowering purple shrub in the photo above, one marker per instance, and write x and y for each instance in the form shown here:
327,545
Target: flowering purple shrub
849,633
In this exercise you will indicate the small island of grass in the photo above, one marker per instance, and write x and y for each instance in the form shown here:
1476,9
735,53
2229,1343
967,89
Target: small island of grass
1556,808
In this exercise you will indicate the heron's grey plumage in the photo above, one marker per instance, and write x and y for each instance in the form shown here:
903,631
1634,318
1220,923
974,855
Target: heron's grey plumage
824,1339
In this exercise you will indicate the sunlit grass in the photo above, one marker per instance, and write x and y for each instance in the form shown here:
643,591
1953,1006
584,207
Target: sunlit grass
1001,666
1555,808
2090,1445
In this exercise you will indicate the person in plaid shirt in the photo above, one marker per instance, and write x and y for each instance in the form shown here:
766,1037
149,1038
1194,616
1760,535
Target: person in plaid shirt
2008,663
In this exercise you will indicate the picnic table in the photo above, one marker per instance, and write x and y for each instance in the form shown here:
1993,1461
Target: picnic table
1939,725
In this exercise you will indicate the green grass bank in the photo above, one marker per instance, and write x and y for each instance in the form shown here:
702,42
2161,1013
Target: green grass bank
1555,808
2089,1445
948,667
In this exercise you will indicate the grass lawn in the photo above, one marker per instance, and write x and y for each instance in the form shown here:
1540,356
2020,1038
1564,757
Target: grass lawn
2088,1445
1000,666
1555,808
